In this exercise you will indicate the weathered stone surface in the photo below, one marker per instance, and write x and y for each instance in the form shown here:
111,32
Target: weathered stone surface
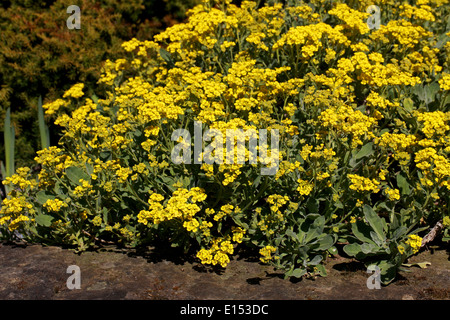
38,272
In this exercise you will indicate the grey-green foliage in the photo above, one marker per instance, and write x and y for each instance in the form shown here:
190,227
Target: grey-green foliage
376,242
309,240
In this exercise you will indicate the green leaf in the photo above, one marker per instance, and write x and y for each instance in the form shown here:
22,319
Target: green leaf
375,222
94,98
430,92
298,272
89,168
44,220
43,196
165,55
325,242
442,40
315,229
322,270
388,271
368,248
398,233
419,91
408,104
3,172
333,250
365,151
362,232
105,156
422,265
105,215
256,182
316,260
352,249
403,184
75,174
167,181
43,128
9,139
379,242
292,234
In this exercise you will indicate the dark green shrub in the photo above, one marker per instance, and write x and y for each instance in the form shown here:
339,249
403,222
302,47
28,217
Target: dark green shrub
39,55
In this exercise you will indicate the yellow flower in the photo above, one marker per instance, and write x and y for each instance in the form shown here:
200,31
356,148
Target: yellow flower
53,107
446,221
304,187
444,82
123,174
352,18
238,234
422,12
54,205
191,225
205,256
393,194
75,91
362,184
266,253
415,242
97,221
401,249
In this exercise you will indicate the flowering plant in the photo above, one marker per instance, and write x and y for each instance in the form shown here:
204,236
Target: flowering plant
363,122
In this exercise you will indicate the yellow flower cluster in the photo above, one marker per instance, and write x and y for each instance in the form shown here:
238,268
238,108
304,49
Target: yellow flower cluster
422,12
75,91
15,211
403,32
54,106
345,120
238,234
446,221
277,201
308,38
444,82
304,187
399,143
363,184
266,253
84,189
217,253
433,165
357,107
225,210
182,205
54,205
20,179
415,242
354,19
434,123
393,194
371,70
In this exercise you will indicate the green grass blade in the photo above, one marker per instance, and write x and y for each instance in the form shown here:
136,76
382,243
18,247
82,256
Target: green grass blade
3,173
43,128
11,163
9,144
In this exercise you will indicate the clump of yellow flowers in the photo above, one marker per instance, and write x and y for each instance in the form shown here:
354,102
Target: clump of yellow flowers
363,122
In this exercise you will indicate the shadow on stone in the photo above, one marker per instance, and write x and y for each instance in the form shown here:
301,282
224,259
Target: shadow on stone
350,266
163,251
259,280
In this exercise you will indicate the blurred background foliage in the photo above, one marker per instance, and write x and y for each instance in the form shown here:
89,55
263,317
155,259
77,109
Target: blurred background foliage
39,55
